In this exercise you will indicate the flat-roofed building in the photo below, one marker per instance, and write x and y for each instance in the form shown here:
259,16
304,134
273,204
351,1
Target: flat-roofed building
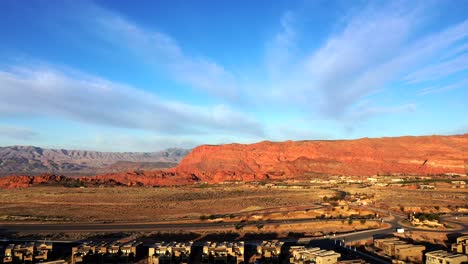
223,252
302,255
42,251
410,253
444,257
8,255
400,250
105,252
461,246
390,247
31,252
268,252
170,252
87,252
378,243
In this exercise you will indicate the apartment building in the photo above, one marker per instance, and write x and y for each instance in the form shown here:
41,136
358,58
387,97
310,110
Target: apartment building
400,250
27,252
302,255
268,252
461,246
170,252
223,252
105,252
444,257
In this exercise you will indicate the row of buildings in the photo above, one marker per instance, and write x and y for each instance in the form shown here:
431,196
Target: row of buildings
27,252
227,252
105,252
402,252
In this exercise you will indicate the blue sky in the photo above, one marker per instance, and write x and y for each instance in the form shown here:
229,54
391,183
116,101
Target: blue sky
119,76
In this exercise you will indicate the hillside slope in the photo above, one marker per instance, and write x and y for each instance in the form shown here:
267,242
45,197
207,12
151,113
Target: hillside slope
34,160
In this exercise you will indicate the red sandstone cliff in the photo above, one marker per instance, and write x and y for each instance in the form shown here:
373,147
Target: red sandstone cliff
410,155
291,159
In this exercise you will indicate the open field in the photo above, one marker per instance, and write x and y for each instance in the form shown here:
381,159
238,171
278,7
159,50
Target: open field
440,200
121,204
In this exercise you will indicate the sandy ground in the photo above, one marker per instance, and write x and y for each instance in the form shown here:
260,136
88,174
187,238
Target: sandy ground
139,204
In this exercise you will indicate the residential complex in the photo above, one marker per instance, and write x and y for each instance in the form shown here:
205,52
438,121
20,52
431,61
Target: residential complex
223,252
400,250
302,255
444,257
461,246
31,252
170,252
104,252
267,252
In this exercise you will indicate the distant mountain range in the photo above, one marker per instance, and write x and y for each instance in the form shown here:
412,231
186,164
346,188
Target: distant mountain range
29,160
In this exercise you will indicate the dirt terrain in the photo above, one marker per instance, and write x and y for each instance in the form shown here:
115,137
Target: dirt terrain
119,204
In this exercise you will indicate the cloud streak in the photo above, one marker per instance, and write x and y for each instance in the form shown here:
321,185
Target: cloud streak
365,56
48,92
164,53
19,133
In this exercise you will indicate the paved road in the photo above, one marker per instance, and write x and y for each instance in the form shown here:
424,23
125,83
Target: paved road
393,219
41,228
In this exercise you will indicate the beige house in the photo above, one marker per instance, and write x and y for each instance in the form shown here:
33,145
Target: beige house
104,252
32,252
461,246
223,252
302,255
169,252
444,257
410,253
269,251
8,255
378,243
400,250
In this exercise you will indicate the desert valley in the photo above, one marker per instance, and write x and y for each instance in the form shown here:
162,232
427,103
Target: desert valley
233,132
291,191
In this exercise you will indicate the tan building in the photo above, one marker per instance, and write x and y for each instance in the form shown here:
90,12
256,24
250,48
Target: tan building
444,257
170,253
223,252
269,251
461,246
353,261
378,243
31,252
302,255
104,252
410,253
8,255
400,250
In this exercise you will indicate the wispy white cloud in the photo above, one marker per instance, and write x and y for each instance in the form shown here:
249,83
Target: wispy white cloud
372,49
164,53
48,92
444,88
439,70
366,110
17,133
280,49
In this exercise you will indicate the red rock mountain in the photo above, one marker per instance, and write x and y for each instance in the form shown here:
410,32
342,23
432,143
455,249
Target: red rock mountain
368,156
291,159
